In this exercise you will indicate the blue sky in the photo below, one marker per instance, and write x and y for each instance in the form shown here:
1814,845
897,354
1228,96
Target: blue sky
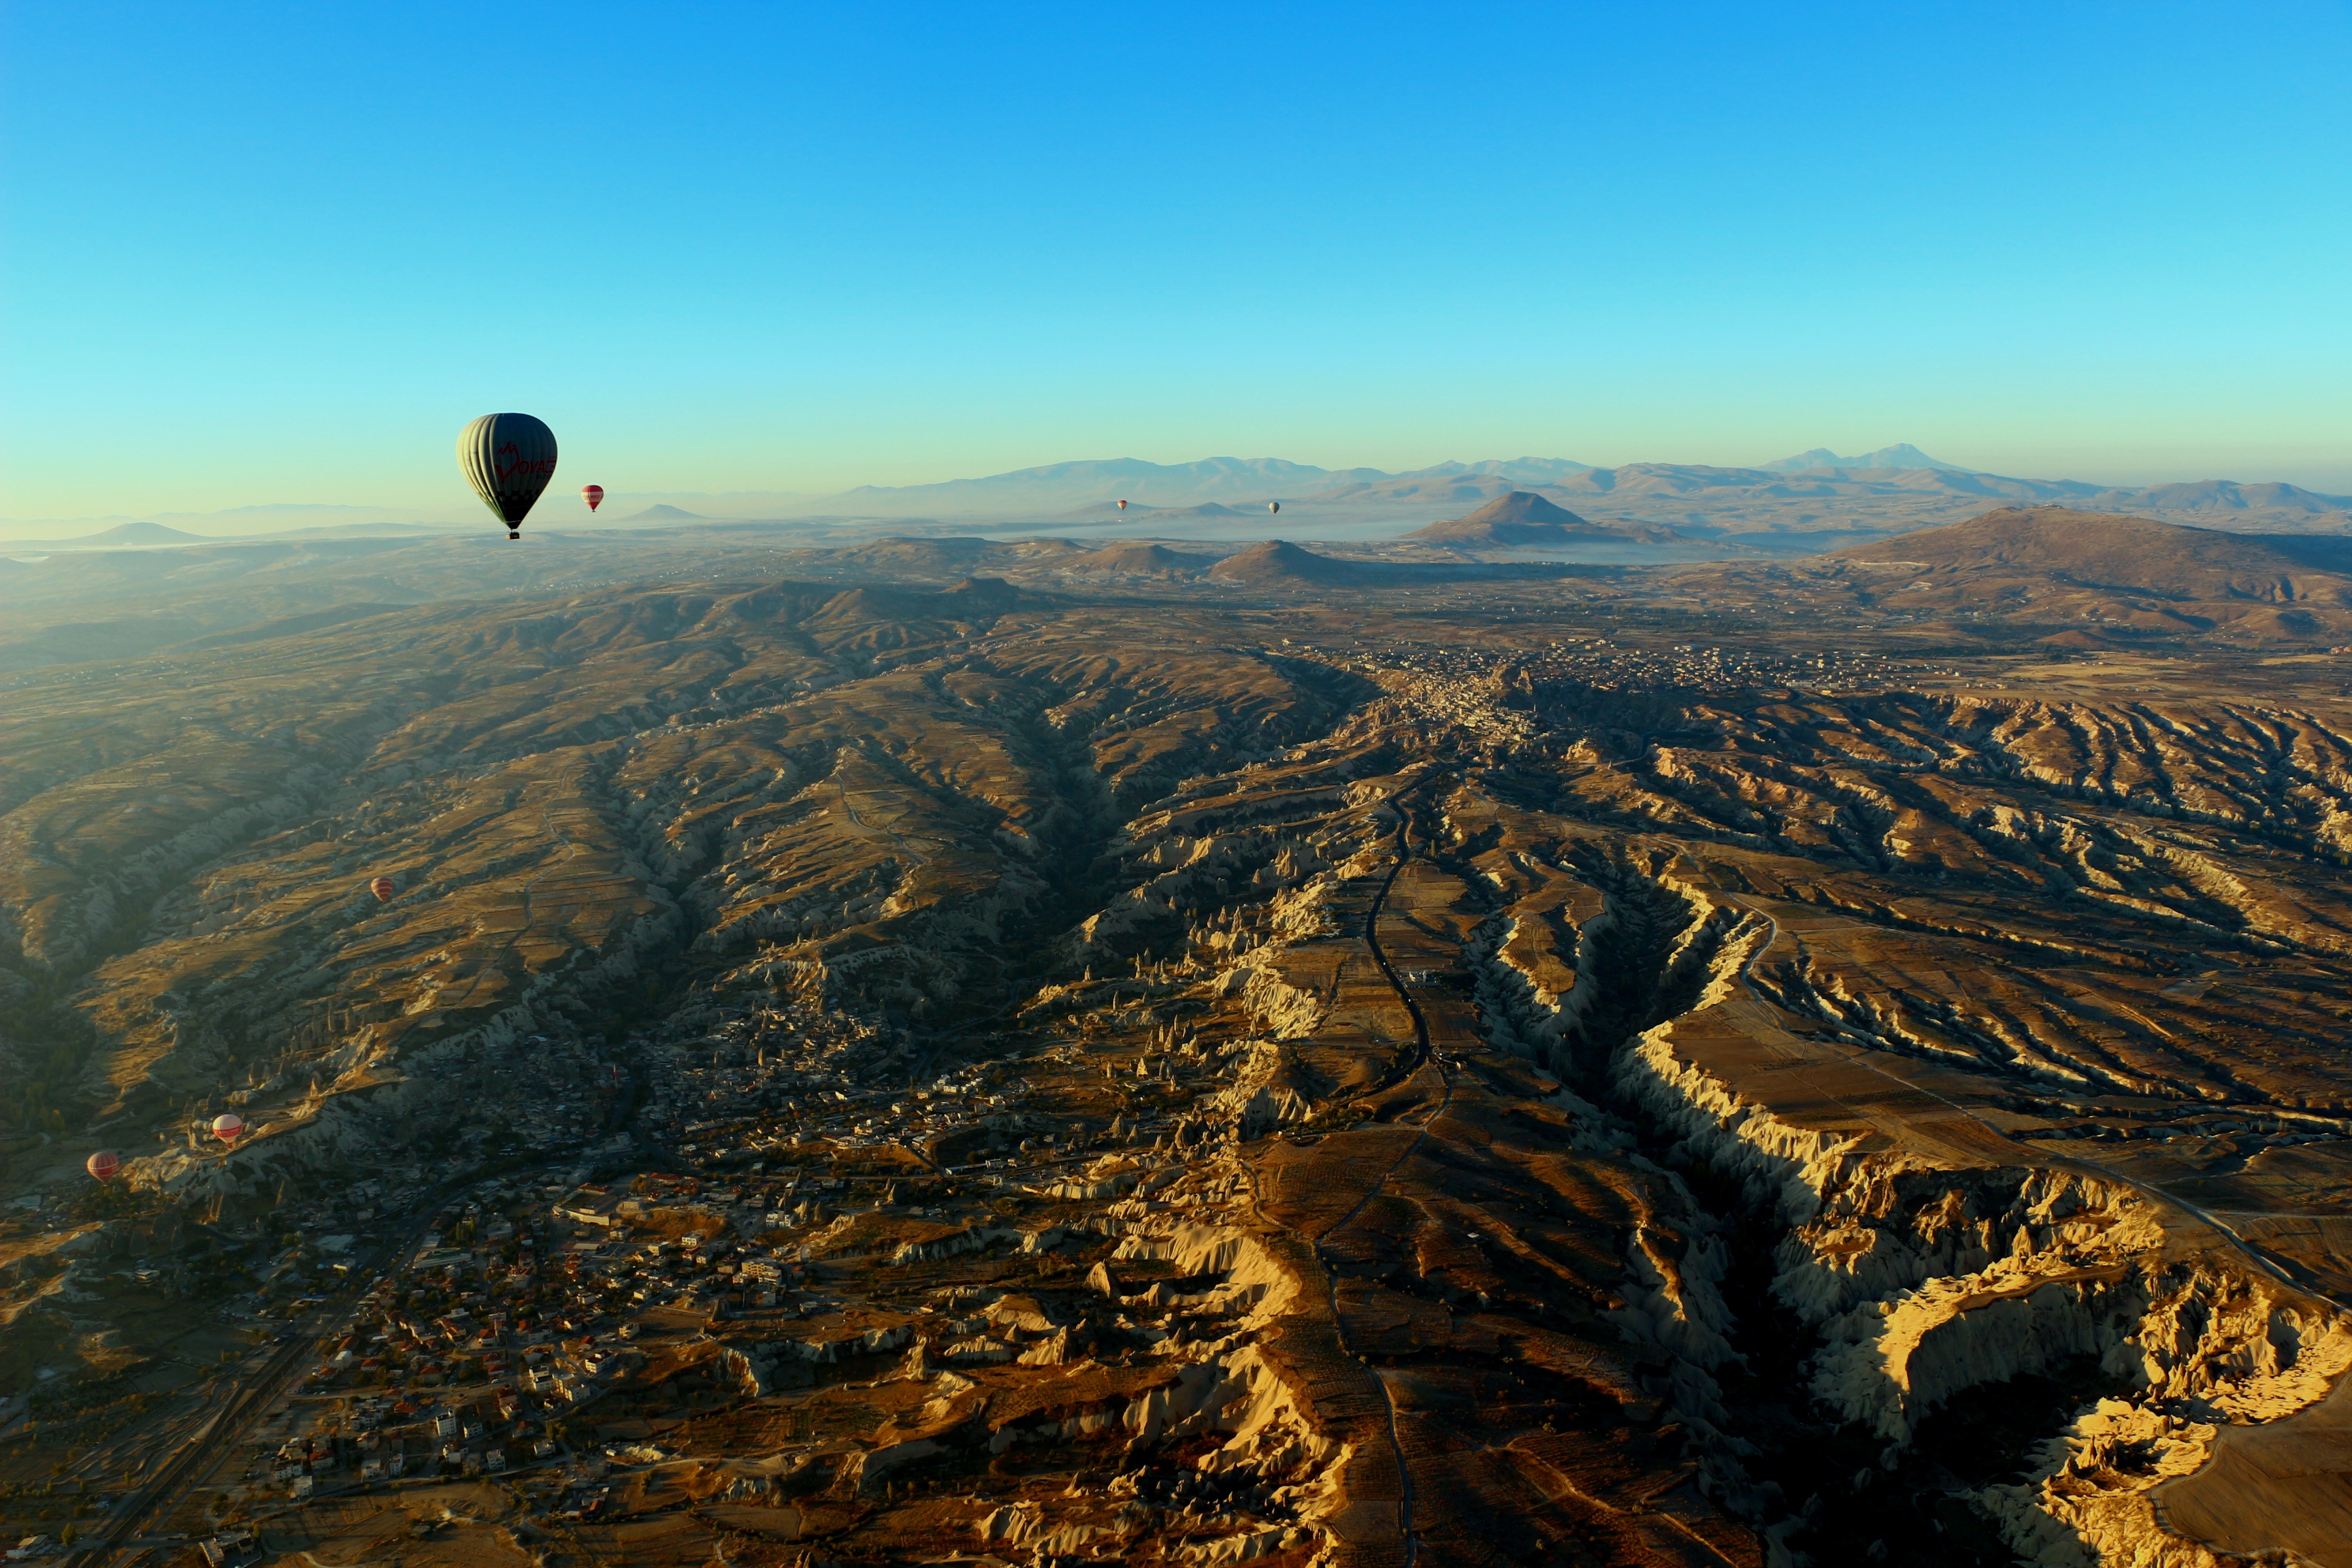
255,254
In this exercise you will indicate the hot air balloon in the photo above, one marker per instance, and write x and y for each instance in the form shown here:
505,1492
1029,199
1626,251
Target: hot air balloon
1274,506
593,495
103,1165
229,1127
382,889
1122,506
508,459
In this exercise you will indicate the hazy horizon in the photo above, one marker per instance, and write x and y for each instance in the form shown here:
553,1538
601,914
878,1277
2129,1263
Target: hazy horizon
558,507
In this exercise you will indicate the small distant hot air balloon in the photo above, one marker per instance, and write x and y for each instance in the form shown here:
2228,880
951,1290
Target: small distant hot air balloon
382,889
1122,506
508,459
229,1127
1274,506
103,1165
593,495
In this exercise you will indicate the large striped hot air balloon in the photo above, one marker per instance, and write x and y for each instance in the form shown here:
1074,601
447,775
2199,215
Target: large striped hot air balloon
229,1127
1274,506
508,459
1122,506
382,889
593,495
103,1165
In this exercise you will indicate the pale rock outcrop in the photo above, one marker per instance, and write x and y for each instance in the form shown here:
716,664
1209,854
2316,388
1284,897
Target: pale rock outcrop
869,1342
1927,1280
1246,1546
1892,1361
2215,1347
1671,1300
1253,1275
1786,1167
1026,1525
1283,1010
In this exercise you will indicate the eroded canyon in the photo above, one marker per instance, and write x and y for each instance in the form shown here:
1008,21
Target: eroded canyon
1060,1072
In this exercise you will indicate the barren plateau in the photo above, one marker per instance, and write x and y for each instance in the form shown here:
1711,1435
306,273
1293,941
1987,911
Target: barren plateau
958,1050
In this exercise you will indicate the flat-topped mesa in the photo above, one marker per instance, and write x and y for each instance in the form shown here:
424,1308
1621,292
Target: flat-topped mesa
1136,560
990,591
2125,553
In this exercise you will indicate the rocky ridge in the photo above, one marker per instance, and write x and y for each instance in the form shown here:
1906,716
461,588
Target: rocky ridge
1443,1102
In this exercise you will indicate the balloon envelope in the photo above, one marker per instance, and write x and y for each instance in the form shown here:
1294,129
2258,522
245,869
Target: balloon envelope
593,495
508,459
103,1165
1274,506
226,1127
1122,506
382,889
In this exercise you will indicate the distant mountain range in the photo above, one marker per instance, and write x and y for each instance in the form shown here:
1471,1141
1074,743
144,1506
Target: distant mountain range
1716,485
1812,501
1065,487
1092,488
1084,488
131,533
1902,455
143,535
1109,512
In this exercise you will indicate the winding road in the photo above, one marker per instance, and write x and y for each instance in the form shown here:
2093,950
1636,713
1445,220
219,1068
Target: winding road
1421,1056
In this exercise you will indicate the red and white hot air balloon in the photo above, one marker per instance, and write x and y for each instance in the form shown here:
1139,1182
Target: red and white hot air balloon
103,1165
1122,506
229,1127
593,495
382,889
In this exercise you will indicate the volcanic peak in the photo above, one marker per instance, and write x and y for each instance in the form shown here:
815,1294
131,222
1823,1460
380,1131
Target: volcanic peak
1279,561
1520,518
